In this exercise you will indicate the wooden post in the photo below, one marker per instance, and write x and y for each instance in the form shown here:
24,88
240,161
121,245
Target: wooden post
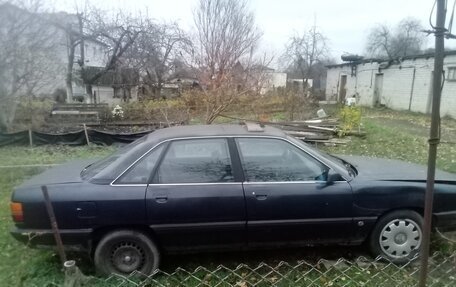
30,137
86,135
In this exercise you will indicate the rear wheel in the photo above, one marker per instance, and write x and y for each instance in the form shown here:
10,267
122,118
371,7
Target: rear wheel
397,236
125,251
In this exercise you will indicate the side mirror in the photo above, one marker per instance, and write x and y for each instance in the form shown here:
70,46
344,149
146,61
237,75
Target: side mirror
331,178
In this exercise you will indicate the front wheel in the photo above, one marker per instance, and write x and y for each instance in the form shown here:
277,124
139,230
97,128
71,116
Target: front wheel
397,236
125,251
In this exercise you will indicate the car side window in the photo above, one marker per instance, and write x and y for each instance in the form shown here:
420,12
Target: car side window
269,160
196,161
142,170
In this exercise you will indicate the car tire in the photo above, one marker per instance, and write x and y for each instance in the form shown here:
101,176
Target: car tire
397,236
124,252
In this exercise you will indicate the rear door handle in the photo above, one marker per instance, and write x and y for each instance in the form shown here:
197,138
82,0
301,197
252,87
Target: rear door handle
161,199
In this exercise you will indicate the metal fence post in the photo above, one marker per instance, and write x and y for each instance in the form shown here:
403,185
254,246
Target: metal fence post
434,138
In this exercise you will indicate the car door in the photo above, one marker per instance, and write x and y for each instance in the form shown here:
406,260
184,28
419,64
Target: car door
196,199
288,198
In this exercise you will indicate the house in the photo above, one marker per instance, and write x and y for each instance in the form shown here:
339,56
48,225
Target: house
298,84
49,64
112,88
273,81
266,79
400,84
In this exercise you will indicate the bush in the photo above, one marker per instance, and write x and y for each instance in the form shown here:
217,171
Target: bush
167,111
59,95
350,117
291,105
32,113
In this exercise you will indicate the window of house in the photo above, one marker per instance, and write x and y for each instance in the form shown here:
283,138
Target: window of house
196,161
266,160
451,74
123,93
142,170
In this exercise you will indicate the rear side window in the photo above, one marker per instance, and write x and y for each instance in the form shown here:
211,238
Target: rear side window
274,160
142,170
196,161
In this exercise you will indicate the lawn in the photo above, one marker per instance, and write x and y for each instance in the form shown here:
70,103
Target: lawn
389,134
401,135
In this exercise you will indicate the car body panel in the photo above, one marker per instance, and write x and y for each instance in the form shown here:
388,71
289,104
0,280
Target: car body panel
197,216
298,212
393,170
238,214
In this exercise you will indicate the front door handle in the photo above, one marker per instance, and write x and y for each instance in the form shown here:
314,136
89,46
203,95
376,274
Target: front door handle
261,196
161,199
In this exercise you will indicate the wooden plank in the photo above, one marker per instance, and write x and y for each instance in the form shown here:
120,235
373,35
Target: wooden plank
322,128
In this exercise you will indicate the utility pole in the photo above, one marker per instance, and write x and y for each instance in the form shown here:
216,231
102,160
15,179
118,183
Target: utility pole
434,138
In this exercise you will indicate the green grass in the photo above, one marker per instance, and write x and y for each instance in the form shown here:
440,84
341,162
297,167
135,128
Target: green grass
389,134
49,154
399,136
22,266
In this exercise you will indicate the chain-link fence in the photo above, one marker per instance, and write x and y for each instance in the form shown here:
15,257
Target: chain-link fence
342,272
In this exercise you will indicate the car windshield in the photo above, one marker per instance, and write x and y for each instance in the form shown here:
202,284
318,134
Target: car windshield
94,168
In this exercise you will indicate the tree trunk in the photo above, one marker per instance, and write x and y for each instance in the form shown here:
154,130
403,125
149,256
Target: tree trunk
8,113
89,92
69,75
158,90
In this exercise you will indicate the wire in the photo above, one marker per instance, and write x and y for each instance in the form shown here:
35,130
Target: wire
450,24
430,15
445,237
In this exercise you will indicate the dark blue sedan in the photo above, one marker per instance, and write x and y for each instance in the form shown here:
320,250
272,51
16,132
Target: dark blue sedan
220,187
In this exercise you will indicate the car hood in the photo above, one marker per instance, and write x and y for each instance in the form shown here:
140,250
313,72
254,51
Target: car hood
65,173
389,169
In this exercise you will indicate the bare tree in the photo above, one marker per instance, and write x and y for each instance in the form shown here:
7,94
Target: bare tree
409,38
72,27
27,50
226,34
305,51
379,41
404,39
258,74
156,51
116,35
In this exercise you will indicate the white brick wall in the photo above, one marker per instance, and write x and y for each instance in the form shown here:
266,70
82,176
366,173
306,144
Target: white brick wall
397,85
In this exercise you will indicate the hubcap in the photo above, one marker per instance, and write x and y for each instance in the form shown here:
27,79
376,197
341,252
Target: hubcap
127,257
400,237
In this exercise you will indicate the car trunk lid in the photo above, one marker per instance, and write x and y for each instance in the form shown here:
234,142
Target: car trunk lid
64,173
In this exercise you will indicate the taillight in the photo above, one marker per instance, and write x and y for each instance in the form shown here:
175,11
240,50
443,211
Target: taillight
17,212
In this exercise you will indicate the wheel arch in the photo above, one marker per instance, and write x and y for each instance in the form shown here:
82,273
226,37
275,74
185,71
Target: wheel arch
417,209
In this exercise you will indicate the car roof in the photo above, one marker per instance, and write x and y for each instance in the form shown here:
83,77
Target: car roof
213,130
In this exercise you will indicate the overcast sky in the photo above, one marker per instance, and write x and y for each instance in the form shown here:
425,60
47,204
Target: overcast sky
345,23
